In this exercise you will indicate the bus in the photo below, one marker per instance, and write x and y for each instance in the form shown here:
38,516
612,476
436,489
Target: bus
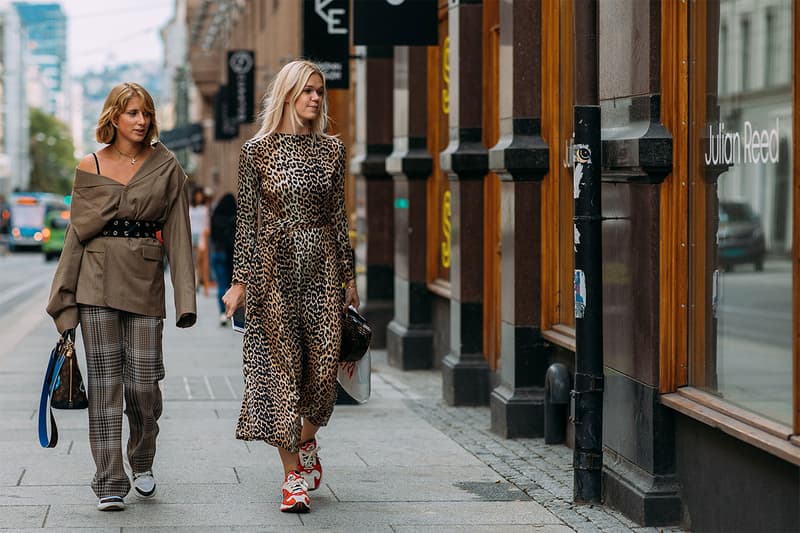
23,218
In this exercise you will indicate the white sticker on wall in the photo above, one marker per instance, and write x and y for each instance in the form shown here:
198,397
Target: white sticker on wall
579,283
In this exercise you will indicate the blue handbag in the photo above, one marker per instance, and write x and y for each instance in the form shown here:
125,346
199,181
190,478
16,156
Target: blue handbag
62,388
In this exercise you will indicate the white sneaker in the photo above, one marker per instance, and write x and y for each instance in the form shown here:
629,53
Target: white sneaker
111,503
223,320
144,484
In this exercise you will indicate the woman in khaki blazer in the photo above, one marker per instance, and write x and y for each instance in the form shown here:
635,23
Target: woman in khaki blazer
129,209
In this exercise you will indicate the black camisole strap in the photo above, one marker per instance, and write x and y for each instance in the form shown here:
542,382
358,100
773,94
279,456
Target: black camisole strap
96,162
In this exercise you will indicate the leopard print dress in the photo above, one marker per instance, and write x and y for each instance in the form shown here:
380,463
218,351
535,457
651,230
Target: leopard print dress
293,253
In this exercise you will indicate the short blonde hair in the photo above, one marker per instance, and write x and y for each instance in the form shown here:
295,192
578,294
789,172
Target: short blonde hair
288,84
115,104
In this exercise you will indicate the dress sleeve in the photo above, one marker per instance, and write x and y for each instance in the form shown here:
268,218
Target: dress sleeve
62,305
342,233
244,248
178,246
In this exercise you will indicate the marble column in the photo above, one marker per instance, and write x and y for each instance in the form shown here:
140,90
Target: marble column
520,158
465,372
409,338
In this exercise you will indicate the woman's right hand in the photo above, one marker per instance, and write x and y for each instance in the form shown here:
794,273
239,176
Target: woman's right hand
233,298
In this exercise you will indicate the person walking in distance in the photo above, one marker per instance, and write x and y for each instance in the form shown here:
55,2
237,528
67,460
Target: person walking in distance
130,208
291,269
198,221
223,228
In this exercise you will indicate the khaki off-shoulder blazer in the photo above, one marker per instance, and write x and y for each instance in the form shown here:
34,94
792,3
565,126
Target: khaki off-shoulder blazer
127,273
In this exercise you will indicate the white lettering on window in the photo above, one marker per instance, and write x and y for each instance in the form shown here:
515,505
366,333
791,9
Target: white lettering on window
751,146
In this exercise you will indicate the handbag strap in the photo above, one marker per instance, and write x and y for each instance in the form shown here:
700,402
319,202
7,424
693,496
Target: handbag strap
48,441
53,367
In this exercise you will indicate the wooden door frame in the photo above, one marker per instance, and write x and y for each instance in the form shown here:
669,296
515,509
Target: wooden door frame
674,205
796,218
438,134
492,252
557,108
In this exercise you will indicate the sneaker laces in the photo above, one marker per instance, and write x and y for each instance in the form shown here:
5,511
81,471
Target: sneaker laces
295,483
308,457
141,474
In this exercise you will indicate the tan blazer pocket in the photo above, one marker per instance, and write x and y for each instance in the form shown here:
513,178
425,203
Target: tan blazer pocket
153,253
91,280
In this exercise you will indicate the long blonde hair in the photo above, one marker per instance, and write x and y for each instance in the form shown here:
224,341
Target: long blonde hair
288,84
115,104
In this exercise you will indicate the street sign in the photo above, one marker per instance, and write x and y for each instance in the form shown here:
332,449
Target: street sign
189,136
326,39
226,126
395,22
241,84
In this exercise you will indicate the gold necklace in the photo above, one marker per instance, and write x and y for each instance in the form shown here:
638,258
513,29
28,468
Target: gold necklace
133,159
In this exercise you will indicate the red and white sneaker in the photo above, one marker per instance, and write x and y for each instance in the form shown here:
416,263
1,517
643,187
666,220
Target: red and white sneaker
295,494
310,467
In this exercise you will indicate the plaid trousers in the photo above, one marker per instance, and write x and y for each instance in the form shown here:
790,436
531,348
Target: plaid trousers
123,359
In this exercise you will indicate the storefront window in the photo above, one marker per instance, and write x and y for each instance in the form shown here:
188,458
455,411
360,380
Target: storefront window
741,198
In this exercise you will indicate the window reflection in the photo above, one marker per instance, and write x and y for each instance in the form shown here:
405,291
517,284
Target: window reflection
747,156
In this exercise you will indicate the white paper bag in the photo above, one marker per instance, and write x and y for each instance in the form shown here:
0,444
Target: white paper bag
355,378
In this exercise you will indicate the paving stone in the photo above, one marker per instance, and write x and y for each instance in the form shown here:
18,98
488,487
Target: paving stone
404,447
23,516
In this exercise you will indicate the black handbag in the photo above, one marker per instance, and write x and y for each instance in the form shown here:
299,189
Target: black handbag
356,336
63,387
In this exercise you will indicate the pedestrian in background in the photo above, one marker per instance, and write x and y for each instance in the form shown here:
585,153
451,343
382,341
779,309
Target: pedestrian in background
129,207
223,230
199,220
292,266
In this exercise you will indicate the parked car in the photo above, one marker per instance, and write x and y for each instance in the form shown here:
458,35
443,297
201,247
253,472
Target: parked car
740,236
54,231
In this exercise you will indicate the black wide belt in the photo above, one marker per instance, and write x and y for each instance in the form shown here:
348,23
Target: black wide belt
122,227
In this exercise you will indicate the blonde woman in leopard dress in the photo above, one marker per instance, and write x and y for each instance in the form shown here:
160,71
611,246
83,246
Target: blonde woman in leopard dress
292,257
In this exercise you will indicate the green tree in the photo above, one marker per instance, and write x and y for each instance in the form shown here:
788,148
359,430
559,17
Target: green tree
52,154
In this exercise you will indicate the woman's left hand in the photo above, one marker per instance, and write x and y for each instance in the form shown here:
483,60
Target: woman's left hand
351,298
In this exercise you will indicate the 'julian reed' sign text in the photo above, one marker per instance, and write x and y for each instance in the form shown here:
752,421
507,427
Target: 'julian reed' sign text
751,146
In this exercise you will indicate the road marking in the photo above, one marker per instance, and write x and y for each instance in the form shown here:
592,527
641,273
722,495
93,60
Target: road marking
25,317
230,388
208,388
187,388
21,289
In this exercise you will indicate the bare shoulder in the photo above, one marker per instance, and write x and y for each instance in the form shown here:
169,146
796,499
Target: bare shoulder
88,164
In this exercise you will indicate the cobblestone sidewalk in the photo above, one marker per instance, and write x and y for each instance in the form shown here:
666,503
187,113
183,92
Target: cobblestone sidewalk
542,471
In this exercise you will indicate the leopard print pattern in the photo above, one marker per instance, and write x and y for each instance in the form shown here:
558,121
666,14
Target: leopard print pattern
293,253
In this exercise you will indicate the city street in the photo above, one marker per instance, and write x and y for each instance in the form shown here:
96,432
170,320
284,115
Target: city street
378,473
401,462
